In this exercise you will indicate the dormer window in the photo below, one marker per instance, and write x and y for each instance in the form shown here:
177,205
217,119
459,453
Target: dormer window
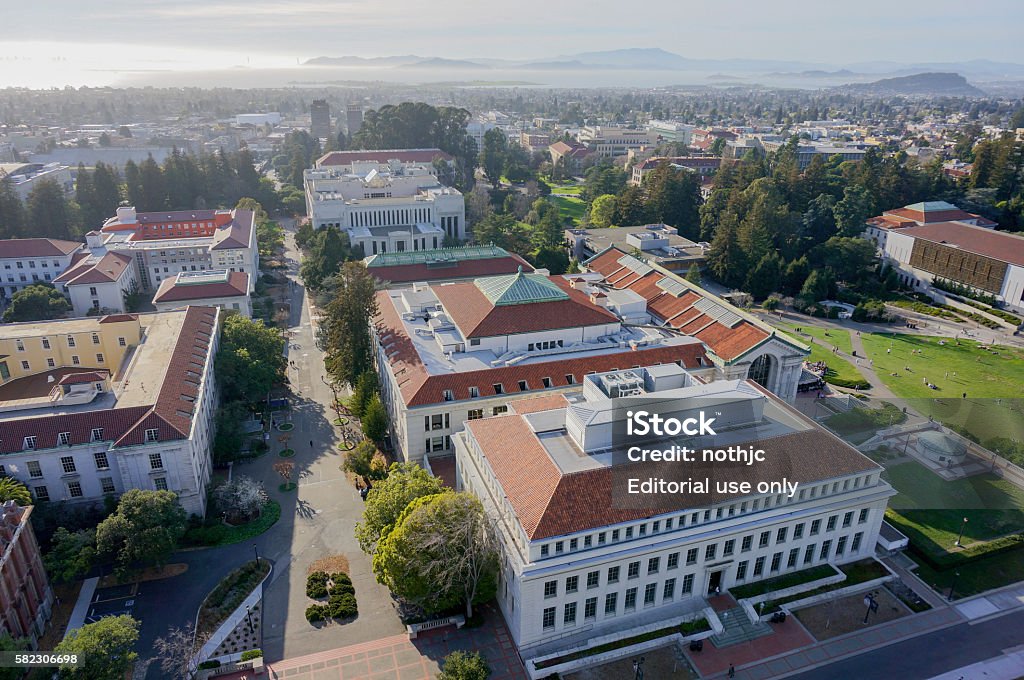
449,395
97,434
152,435
29,444
498,388
474,392
546,382
64,439
523,387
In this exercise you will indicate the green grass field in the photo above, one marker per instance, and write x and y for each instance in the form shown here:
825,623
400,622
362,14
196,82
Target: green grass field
830,337
976,576
992,380
565,188
571,207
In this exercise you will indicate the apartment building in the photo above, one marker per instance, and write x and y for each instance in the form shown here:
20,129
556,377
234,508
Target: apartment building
98,282
26,599
454,352
386,206
92,407
213,288
739,345
24,261
615,141
580,558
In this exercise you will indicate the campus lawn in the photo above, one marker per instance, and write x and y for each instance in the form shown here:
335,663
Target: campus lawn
933,509
566,188
976,576
830,337
839,369
991,378
571,207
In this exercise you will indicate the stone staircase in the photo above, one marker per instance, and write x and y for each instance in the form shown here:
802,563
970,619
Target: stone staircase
738,628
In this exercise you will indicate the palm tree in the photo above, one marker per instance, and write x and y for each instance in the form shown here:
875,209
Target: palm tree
13,490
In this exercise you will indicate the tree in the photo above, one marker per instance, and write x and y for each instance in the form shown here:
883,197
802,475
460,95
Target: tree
503,231
175,650
227,443
693,274
816,287
344,333
144,530
602,211
765,277
492,155
36,302
327,249
405,482
375,420
104,648
673,198
366,387
442,553
241,499
853,211
285,468
10,644
359,461
250,359
49,213
72,555
461,665
154,191
13,490
12,210
555,260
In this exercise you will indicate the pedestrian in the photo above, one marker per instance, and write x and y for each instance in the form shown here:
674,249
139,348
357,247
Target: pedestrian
965,395
310,443
888,351
732,671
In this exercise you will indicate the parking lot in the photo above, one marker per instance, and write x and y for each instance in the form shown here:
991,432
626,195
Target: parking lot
112,601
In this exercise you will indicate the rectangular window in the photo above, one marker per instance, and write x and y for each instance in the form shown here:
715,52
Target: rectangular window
25,366
691,556
729,547
95,336
650,593
746,543
121,342
687,584
544,550
474,392
831,525
780,535
826,548
601,538
75,489
759,566
630,602
50,363
809,554
610,604
559,547
613,574
46,343
546,382
33,468
615,535
629,533
476,413
574,543
498,388
815,527
41,493
741,570
29,443
569,617
653,565
855,546
848,519
710,551
156,461
762,541
798,531
67,463
523,387
634,570
550,589
448,395
776,562
71,341
593,579
841,546
572,584
549,618
590,608
160,483
794,555
107,484
498,410
669,591
863,516
673,560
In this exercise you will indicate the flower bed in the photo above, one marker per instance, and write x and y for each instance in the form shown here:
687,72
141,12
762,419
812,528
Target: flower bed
229,593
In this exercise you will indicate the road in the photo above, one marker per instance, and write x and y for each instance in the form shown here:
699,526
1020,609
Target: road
930,654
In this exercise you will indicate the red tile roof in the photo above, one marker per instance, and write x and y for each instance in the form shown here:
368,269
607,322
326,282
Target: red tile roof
237,285
403,155
118,318
476,317
37,247
549,503
106,269
237,233
679,312
545,402
420,388
115,422
997,245
83,378
459,269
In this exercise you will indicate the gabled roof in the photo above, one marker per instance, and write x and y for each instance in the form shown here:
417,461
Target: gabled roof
237,233
83,378
91,270
549,503
173,290
37,247
724,329
477,316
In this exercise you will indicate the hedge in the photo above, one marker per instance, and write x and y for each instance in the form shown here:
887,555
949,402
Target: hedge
251,654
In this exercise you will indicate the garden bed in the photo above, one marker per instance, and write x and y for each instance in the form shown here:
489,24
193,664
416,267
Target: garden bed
856,572
782,582
229,593
218,533
684,629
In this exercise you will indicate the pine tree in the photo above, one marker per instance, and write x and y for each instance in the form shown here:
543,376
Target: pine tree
49,212
12,211
133,185
693,274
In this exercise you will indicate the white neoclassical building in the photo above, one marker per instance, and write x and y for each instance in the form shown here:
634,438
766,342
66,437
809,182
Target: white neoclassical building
739,345
579,561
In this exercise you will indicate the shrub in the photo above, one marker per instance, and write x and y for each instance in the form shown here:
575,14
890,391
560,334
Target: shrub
250,654
341,578
343,605
461,665
317,612
212,663
316,585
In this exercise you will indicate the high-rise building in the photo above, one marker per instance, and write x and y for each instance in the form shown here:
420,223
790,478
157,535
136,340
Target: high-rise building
353,118
320,119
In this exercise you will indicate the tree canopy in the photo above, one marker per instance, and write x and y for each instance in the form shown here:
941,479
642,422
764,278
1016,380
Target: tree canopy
36,302
105,648
387,499
250,359
344,333
144,530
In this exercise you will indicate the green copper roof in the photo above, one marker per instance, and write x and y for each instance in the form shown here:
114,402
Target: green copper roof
520,289
455,254
930,206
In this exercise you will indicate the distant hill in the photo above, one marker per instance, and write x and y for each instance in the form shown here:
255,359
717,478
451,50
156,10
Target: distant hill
438,62
363,61
942,84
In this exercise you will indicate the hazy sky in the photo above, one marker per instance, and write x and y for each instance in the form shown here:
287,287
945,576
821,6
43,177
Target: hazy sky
194,33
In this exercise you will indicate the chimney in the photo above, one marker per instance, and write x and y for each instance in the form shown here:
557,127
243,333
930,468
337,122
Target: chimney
126,215
599,298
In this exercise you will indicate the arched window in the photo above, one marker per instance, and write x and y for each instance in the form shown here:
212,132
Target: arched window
760,371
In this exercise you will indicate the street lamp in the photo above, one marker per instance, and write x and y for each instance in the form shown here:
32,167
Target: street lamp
256,552
952,586
638,668
249,617
870,605
961,535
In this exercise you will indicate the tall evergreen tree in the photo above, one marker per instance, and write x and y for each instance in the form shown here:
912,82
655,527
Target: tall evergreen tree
49,212
12,211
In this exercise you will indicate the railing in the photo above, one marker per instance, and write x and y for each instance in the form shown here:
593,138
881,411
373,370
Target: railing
414,629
